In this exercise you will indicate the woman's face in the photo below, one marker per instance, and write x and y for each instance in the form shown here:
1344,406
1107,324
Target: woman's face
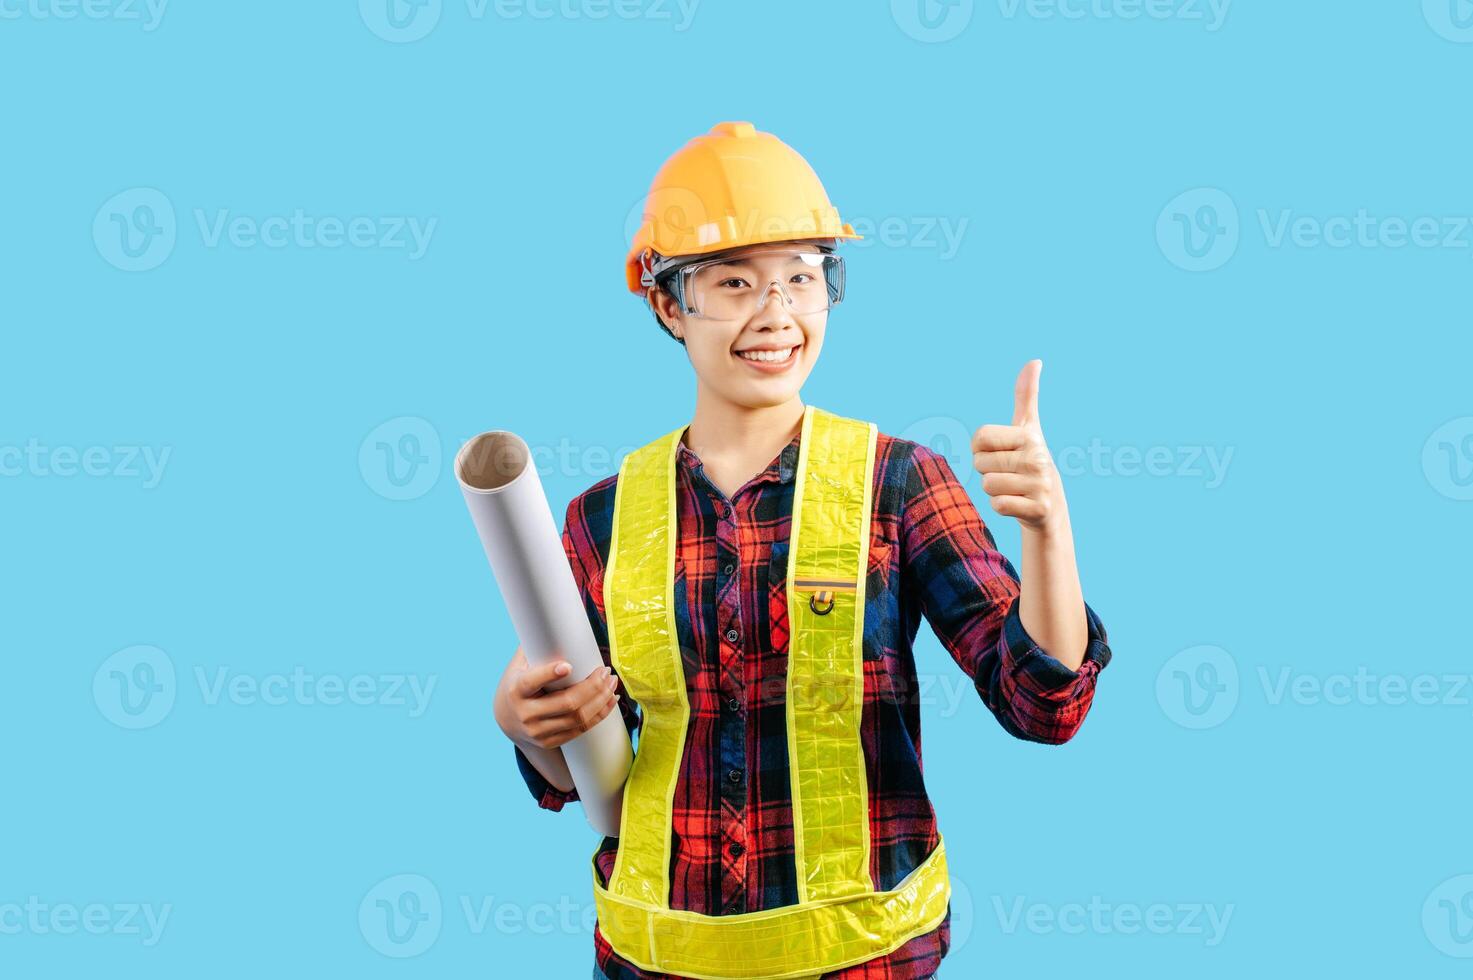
717,347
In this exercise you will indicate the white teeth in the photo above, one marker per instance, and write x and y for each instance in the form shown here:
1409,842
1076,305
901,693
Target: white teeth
772,356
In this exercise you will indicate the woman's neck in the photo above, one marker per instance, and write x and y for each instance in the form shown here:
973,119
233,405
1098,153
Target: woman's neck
735,442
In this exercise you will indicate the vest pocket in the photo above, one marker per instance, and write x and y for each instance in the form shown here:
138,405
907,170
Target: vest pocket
878,603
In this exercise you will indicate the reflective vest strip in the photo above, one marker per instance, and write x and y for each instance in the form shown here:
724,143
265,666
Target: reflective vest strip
825,693
784,943
645,650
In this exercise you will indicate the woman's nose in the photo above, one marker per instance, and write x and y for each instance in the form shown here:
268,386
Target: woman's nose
782,298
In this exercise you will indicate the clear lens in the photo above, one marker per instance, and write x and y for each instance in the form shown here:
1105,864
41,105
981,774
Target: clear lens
735,287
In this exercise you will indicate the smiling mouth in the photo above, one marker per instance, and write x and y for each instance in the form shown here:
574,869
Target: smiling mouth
769,356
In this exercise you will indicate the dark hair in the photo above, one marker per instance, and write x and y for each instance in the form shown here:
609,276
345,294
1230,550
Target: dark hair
662,283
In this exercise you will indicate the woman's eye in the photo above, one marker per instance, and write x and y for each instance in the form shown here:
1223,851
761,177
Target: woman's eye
734,282
803,278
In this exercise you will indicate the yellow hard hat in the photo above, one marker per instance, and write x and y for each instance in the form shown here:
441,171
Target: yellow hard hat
731,187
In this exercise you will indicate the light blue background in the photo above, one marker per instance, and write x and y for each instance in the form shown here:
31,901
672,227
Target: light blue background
1336,540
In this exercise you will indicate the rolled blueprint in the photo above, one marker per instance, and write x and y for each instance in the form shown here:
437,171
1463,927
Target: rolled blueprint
525,548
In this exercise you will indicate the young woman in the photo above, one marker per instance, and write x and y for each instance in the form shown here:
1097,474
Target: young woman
756,579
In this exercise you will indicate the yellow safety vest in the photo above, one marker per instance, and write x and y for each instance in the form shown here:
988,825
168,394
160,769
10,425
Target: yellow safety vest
839,919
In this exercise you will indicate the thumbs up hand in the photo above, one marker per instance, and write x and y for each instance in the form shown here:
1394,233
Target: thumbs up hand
1018,473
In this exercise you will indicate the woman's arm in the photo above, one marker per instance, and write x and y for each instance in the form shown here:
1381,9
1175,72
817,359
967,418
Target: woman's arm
551,764
1051,604
971,595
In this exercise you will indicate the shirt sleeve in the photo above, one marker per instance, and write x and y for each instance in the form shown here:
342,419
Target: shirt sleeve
968,592
584,559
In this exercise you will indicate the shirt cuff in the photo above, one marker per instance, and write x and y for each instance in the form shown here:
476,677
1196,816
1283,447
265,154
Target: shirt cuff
548,796
1041,674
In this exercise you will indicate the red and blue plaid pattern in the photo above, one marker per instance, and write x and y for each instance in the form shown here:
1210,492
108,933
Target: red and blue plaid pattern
930,555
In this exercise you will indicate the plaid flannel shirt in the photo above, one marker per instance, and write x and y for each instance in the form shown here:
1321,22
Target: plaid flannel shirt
930,554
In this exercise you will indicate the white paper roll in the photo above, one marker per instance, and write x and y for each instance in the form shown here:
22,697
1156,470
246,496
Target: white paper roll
525,548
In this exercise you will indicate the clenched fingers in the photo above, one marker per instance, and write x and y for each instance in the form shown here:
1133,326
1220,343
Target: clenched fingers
1033,459
533,679
552,732
592,690
1029,509
992,438
1013,484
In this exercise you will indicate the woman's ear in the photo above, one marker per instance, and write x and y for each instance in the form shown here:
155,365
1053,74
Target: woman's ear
668,311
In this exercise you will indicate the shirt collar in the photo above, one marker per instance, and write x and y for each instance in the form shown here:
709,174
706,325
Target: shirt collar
782,468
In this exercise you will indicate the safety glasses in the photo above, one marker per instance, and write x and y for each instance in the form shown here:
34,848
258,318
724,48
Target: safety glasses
737,285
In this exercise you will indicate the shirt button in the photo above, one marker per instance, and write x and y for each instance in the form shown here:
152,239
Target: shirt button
732,704
733,775
733,635
728,568
737,848
733,909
